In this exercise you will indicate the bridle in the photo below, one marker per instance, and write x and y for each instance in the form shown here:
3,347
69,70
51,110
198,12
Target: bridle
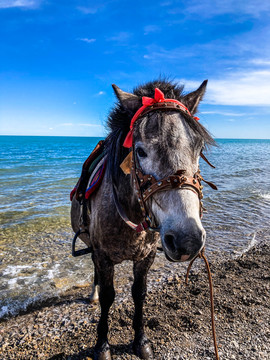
147,185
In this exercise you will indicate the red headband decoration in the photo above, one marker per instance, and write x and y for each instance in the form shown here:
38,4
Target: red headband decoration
146,101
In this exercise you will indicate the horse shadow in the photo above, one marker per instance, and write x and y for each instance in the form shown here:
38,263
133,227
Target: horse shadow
116,350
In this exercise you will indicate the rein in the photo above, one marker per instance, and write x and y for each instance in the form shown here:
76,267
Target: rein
202,256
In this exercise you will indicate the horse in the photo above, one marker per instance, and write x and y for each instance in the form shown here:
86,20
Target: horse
152,177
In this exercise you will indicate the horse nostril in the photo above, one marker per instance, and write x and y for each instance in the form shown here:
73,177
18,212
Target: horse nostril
169,241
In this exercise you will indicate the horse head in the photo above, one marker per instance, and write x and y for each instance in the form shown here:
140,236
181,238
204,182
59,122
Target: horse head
167,140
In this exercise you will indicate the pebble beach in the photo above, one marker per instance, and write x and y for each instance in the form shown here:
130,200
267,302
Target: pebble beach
177,316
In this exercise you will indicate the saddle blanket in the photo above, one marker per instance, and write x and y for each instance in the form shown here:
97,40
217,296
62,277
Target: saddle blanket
92,173
96,178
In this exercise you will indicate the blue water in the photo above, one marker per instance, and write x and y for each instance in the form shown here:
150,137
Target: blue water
37,174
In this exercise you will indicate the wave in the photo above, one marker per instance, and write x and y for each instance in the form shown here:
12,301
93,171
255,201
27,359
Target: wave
265,196
15,307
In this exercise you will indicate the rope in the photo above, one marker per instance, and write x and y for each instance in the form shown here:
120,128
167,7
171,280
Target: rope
202,256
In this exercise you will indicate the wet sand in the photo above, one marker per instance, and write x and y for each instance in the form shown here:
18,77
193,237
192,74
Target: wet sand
177,316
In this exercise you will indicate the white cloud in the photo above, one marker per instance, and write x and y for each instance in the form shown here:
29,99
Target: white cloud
5,4
87,10
166,3
65,124
78,125
244,88
148,29
89,41
211,8
248,88
100,93
157,53
91,125
250,47
121,37
224,113
260,62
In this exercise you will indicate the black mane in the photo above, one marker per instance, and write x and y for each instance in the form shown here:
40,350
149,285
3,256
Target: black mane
119,120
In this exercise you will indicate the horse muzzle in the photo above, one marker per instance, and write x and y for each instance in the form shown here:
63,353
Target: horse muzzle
180,247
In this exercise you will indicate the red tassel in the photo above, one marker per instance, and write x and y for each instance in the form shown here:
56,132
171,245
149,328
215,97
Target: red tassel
128,139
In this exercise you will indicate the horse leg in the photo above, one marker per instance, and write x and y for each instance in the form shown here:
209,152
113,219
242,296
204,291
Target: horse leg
141,345
105,272
94,296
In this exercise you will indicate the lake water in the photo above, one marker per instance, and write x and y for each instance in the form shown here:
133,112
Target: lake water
37,175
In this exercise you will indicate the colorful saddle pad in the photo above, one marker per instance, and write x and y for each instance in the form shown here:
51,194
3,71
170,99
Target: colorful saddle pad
92,173
96,177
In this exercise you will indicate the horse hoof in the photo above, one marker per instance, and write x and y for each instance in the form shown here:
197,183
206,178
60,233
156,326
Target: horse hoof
143,350
105,355
102,353
94,296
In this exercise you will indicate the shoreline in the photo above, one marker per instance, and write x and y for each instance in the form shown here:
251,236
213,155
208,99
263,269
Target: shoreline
177,316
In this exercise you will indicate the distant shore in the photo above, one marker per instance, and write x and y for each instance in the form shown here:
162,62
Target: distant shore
177,316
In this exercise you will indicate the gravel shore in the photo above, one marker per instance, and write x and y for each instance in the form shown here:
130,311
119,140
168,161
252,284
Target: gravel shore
177,316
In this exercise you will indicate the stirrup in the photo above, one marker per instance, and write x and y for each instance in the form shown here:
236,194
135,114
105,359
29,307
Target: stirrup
80,252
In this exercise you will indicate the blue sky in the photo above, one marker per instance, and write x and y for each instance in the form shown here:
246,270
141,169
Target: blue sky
58,60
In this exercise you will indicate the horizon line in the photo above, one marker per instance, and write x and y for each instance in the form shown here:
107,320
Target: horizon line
103,137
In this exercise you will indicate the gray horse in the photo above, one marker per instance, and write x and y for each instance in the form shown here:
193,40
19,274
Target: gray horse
164,140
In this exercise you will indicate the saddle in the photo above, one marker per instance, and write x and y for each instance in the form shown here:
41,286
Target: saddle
92,174
93,171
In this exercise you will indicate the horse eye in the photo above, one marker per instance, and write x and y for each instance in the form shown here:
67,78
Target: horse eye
141,153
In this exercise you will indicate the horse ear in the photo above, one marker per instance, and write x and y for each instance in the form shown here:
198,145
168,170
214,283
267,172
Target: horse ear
127,100
192,99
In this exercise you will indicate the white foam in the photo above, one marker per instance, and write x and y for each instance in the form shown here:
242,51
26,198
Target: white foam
251,244
15,306
51,272
13,270
4,311
12,282
265,196
13,273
